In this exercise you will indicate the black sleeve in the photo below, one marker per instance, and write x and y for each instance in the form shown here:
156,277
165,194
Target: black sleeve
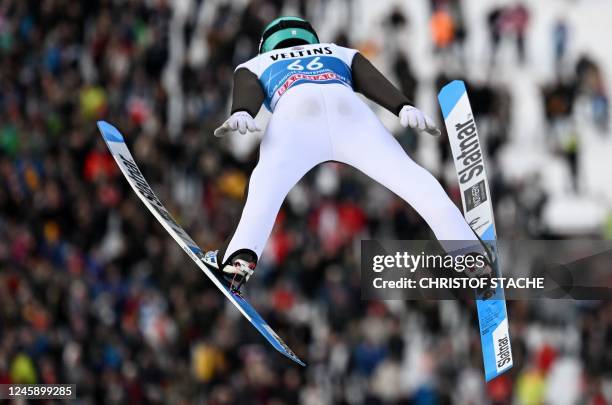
247,95
370,82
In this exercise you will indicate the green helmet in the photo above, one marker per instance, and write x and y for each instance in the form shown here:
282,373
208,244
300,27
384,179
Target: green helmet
285,32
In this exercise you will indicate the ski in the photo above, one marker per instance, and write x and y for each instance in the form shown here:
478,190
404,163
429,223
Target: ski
116,145
478,212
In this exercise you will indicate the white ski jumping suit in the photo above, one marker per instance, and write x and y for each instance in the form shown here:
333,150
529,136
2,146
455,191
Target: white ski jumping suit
318,117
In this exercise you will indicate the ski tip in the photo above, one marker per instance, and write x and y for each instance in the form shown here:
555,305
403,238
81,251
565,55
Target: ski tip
109,132
289,354
455,85
449,96
292,356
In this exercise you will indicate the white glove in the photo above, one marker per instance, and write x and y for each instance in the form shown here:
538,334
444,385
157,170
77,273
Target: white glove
414,118
240,121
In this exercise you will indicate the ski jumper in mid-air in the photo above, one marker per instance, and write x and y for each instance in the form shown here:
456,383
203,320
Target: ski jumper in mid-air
310,88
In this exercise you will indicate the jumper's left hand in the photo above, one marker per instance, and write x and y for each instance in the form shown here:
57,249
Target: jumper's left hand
414,118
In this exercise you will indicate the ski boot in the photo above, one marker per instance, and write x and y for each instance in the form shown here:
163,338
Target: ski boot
483,271
234,273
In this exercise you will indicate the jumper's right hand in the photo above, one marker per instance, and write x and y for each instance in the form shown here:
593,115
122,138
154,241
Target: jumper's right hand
240,121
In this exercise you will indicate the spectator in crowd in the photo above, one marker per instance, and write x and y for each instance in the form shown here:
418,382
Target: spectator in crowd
442,28
560,40
519,22
494,25
590,84
508,22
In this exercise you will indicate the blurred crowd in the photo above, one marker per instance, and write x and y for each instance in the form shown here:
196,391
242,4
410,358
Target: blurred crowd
94,292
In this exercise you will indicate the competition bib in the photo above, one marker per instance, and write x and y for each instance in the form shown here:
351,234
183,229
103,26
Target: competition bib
280,70
283,75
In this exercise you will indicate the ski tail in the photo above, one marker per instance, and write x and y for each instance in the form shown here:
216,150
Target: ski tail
117,147
478,212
